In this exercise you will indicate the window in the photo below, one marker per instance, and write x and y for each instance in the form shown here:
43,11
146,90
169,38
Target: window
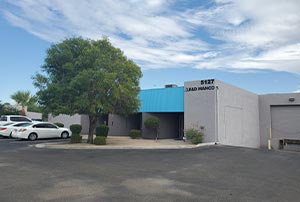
3,118
39,126
7,124
19,118
22,124
44,125
50,126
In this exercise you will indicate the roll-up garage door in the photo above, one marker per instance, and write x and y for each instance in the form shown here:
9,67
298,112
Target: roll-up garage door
285,122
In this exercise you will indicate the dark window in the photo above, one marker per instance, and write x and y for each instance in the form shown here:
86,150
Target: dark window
7,124
18,119
3,118
22,124
50,126
39,126
44,125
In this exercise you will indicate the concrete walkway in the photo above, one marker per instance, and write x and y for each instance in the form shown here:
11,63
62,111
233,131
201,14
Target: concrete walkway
121,142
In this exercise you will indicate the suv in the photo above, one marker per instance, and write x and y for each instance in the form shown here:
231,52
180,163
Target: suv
13,118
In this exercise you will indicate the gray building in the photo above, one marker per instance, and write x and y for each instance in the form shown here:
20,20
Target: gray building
227,114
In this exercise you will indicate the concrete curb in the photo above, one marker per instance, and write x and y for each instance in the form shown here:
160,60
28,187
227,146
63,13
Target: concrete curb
87,146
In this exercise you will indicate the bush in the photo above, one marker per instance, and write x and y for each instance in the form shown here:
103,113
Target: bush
100,140
134,133
61,125
76,128
102,130
75,138
152,123
194,135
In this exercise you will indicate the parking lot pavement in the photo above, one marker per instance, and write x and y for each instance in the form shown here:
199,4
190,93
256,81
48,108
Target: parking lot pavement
7,144
215,173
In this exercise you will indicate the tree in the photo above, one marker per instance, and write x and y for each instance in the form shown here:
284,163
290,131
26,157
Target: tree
152,124
88,77
24,99
7,109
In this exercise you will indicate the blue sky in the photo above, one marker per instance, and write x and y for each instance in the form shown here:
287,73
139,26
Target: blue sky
252,44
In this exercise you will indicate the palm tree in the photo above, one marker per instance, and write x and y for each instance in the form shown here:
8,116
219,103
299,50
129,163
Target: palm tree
23,98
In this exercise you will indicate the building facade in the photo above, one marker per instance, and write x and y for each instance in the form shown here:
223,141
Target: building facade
227,114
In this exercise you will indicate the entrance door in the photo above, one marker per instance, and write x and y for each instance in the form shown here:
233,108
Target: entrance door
180,126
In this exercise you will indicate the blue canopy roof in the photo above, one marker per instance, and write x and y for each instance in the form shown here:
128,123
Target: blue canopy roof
162,100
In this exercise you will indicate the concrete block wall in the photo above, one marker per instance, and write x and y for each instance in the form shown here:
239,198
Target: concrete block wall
68,120
169,125
237,115
265,103
200,108
121,125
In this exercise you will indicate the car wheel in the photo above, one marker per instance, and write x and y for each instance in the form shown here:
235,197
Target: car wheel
64,135
32,136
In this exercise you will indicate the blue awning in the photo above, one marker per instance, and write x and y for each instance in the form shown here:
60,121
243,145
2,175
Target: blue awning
162,100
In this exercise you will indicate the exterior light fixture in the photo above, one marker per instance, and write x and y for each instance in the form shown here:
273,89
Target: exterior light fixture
291,99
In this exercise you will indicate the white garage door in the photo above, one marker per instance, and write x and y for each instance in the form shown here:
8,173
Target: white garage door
285,122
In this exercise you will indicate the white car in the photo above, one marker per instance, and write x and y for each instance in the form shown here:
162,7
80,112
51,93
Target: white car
13,118
41,130
7,129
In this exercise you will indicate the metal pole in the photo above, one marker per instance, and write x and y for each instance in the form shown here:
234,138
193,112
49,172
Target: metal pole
270,138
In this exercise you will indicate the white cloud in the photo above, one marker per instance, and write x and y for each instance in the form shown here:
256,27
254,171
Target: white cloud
253,34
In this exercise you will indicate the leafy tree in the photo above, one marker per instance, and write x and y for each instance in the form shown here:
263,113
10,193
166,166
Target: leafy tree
152,124
7,109
88,77
24,99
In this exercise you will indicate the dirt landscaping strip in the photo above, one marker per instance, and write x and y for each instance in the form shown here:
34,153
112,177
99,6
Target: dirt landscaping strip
119,142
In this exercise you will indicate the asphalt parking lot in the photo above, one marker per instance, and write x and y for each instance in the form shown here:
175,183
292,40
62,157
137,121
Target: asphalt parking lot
216,173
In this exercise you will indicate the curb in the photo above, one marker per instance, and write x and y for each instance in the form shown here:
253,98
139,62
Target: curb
86,147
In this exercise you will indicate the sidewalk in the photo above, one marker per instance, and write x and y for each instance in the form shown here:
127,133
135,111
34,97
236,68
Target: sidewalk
121,142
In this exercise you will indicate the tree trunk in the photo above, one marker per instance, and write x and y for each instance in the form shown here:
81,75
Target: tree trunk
93,121
22,112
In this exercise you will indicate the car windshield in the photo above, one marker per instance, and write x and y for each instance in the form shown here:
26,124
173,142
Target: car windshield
23,124
7,124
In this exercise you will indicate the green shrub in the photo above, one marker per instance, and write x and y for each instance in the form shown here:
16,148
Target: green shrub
100,140
75,138
152,123
194,135
76,128
102,130
134,133
61,125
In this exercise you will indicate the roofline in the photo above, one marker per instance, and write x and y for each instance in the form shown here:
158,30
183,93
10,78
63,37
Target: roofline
161,88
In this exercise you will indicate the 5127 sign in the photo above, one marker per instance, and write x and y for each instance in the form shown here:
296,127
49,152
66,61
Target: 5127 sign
207,84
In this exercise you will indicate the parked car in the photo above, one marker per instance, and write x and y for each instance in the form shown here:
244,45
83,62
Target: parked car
7,129
13,118
41,130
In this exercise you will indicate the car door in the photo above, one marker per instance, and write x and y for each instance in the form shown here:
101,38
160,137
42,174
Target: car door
51,131
40,130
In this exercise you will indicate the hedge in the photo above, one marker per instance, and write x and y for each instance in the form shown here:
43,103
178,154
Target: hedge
76,128
100,140
194,135
75,138
134,133
102,130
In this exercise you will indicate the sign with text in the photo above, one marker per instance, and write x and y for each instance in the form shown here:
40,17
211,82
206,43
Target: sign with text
207,84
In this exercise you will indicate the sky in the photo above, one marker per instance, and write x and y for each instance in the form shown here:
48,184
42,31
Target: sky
252,44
